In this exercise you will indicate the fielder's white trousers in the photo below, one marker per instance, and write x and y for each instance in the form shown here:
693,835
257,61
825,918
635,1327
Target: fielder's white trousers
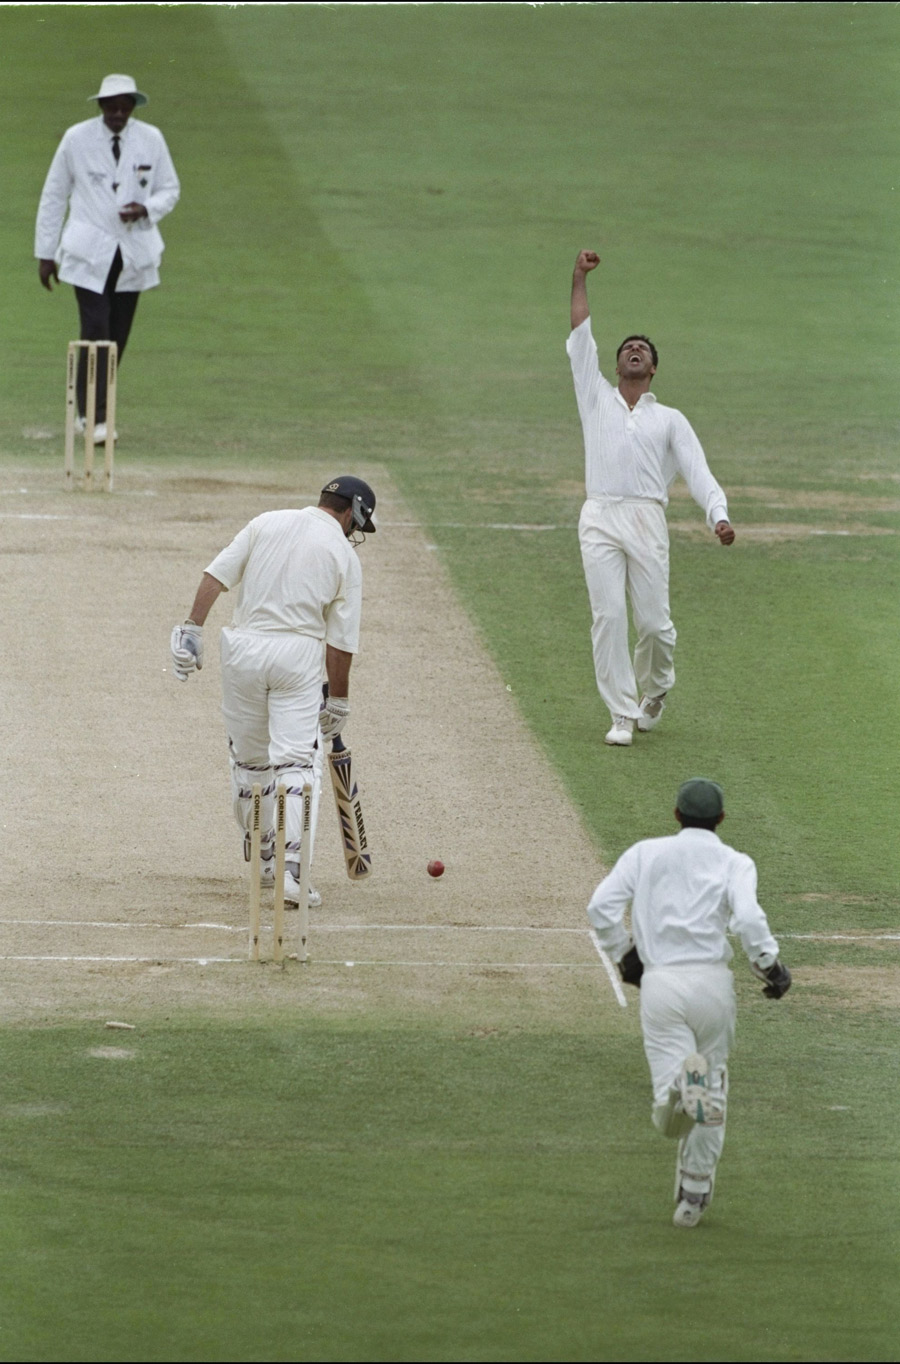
625,553
686,1009
271,697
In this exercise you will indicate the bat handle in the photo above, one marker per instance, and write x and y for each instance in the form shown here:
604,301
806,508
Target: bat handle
337,743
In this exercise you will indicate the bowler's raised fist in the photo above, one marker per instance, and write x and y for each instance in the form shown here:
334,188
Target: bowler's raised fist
587,260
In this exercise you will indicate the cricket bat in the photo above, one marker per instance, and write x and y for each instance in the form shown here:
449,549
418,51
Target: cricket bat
357,857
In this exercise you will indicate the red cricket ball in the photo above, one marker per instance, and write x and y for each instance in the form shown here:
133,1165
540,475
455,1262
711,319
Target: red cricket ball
436,868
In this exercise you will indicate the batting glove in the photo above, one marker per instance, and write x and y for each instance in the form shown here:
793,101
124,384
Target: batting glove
631,968
187,649
777,978
333,716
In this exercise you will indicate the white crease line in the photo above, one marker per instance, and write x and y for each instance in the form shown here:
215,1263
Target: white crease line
445,928
842,937
474,525
468,965
322,928
534,527
148,961
407,928
115,923
318,961
689,527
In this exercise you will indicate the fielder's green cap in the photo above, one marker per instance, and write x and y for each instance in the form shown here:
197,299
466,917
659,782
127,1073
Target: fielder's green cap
700,799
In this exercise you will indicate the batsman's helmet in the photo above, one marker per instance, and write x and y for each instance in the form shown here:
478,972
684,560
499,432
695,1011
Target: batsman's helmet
360,497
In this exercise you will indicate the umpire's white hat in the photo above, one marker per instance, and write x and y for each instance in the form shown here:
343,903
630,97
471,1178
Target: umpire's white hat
119,85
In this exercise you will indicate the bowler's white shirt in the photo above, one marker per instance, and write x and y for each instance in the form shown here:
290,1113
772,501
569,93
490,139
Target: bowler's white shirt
686,892
85,179
636,454
295,570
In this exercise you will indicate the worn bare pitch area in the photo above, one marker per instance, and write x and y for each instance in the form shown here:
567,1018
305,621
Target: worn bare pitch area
123,869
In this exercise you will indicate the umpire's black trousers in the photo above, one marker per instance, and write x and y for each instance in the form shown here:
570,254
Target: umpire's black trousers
104,317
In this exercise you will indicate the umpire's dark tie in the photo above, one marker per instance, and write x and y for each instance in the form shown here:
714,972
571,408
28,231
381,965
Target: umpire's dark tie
116,148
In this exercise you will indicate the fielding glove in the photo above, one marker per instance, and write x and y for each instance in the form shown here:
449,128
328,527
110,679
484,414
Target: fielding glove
631,968
187,649
777,978
333,716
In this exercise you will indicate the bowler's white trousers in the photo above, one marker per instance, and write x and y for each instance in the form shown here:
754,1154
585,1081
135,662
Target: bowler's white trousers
625,549
687,1009
271,697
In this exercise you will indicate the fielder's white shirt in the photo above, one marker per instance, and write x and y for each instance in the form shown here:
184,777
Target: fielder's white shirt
85,179
295,571
686,893
636,454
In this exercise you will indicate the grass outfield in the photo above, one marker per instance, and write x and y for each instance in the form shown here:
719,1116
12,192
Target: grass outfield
386,1192
371,258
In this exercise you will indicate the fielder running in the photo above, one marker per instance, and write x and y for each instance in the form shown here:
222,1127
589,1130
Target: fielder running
295,624
686,891
633,449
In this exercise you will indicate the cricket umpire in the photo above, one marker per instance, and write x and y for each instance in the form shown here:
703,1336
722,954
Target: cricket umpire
295,625
114,177
633,449
686,891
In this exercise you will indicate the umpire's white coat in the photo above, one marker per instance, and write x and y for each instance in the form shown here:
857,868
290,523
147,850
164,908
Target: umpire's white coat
85,181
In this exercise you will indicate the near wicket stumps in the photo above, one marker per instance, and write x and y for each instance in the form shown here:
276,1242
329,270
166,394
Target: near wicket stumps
256,872
305,854
90,415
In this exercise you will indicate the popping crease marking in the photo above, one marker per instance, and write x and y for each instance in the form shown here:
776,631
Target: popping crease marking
410,928
157,960
161,960
750,529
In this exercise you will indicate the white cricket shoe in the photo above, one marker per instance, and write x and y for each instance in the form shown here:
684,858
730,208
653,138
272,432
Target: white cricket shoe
652,708
100,433
696,1099
621,732
291,900
691,1208
80,424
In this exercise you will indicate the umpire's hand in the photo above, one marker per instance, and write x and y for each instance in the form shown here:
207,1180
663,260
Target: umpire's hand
48,273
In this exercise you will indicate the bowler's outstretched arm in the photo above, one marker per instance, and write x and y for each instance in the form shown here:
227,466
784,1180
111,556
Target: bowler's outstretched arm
587,261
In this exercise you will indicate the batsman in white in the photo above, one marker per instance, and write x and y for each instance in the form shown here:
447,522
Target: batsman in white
633,450
295,625
686,892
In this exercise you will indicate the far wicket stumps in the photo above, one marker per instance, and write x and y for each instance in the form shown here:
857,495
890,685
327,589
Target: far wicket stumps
90,415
